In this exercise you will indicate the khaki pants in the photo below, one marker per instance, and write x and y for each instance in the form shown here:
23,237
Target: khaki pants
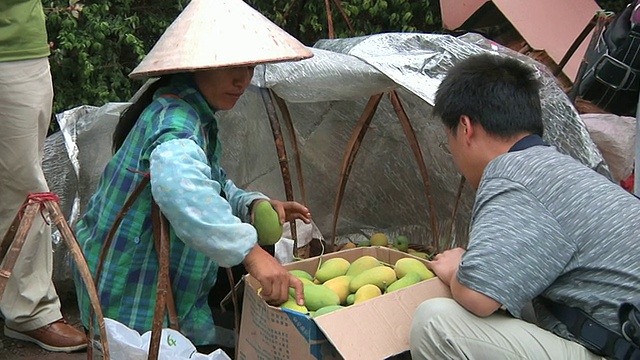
442,329
26,95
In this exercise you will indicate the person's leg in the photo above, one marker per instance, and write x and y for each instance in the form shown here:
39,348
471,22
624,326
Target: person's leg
442,329
30,301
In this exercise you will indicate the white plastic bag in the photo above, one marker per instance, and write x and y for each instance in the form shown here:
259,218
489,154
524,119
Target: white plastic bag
127,344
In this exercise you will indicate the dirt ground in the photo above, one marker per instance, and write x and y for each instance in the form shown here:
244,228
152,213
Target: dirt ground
16,349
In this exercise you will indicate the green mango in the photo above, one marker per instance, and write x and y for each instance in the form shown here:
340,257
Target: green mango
301,274
317,296
407,280
327,309
351,298
291,304
267,223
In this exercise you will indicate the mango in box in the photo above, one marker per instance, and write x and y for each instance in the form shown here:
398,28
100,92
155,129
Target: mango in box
361,264
406,265
380,276
301,274
291,304
332,268
267,223
317,296
366,292
340,286
327,309
407,280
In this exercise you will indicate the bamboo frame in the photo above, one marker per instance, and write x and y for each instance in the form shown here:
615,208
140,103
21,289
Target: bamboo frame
417,152
288,121
350,154
283,160
164,295
31,209
454,214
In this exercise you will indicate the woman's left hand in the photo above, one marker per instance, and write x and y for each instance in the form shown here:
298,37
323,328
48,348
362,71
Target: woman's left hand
289,211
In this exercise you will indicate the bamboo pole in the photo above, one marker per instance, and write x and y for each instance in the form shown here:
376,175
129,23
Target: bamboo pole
344,16
161,293
454,214
282,157
327,5
350,154
417,152
30,212
288,121
81,263
10,235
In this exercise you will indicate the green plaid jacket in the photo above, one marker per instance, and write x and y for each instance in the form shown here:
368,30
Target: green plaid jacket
175,139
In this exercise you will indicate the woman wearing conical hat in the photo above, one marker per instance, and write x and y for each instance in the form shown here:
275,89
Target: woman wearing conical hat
170,132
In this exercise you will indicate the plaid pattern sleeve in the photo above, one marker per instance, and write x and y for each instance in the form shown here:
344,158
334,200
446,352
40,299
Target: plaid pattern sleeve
127,286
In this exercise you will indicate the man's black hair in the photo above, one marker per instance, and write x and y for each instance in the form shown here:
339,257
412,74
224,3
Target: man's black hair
498,92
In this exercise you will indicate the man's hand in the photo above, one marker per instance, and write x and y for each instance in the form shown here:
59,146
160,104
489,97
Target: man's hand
273,277
445,265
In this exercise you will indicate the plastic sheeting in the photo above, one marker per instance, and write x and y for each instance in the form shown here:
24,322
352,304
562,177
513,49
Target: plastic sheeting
325,96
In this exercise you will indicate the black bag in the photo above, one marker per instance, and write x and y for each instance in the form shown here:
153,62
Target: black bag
612,79
629,315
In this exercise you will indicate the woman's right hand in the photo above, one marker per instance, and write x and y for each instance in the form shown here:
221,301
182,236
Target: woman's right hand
274,278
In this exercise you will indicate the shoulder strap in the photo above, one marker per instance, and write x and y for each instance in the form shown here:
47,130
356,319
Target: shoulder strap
112,231
160,234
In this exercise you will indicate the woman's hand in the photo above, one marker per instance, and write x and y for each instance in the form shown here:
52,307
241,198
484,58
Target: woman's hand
287,210
274,278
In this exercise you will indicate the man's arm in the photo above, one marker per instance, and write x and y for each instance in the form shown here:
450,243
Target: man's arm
477,303
445,266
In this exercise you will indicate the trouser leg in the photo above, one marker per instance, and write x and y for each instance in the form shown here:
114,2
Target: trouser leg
26,94
442,329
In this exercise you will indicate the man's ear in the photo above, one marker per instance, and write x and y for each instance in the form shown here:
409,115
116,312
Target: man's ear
466,128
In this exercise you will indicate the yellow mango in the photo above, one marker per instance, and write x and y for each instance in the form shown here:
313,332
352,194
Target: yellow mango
326,310
340,286
318,296
380,276
407,280
379,239
332,268
267,223
406,265
361,264
366,292
291,304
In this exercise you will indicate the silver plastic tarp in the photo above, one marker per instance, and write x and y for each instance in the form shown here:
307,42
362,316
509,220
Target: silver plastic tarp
326,96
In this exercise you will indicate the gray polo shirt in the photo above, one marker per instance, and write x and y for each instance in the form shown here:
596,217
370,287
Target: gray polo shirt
544,225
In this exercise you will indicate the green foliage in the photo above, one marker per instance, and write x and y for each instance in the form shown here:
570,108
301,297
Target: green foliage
96,44
308,21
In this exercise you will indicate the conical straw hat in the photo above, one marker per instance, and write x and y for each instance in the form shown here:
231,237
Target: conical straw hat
218,33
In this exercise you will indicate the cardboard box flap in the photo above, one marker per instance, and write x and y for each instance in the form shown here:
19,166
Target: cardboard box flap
378,328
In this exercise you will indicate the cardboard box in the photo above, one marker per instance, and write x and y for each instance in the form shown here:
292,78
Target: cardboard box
374,329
